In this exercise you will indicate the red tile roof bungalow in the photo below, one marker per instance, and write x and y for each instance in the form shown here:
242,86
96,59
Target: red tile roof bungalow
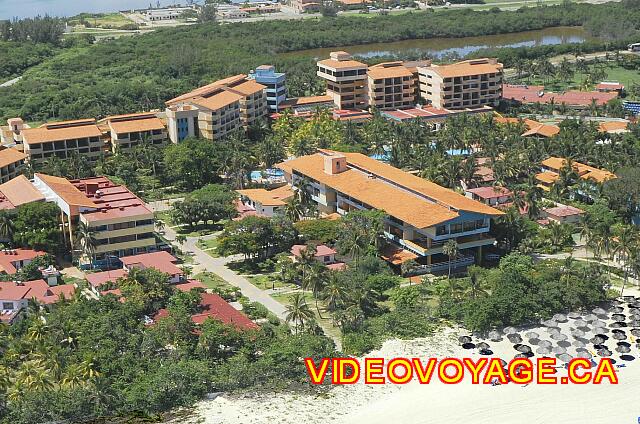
162,261
492,196
14,296
12,260
324,254
607,86
563,214
215,307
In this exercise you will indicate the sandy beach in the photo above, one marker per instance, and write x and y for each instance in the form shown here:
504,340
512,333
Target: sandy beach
440,403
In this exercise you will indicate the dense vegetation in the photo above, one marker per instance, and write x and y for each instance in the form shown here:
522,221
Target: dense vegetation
87,358
140,73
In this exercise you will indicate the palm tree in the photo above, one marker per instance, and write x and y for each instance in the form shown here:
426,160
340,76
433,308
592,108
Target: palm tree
294,209
450,248
625,243
315,281
334,293
298,311
87,241
7,227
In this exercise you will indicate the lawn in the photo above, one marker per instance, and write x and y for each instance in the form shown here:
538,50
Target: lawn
209,246
212,281
614,73
102,20
268,281
325,322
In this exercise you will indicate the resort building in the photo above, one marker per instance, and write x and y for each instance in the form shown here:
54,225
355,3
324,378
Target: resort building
323,254
305,6
608,86
429,114
307,104
12,260
217,109
276,91
346,80
258,201
11,163
421,216
126,131
17,192
11,134
162,261
492,196
534,128
468,84
390,85
562,214
62,139
15,296
552,167
122,223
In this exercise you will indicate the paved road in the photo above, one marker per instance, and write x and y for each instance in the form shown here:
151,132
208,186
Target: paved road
11,82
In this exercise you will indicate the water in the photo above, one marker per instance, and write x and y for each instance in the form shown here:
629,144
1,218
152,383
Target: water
29,8
439,47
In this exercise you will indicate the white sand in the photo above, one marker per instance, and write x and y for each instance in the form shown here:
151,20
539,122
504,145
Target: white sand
440,403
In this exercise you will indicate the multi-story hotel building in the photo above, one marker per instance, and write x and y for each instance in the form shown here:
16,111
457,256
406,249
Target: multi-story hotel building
126,131
11,163
468,84
61,139
390,86
346,80
276,91
217,109
122,223
305,6
421,215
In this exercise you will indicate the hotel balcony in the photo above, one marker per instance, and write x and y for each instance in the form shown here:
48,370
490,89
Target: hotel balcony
422,247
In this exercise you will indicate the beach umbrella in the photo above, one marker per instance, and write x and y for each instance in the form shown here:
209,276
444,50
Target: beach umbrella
543,350
590,317
509,330
553,330
514,338
602,336
604,353
636,304
627,344
635,332
532,335
560,318
616,309
520,355
494,336
618,324
578,343
545,343
627,357
635,323
564,357
583,354
483,345
598,339
619,335
534,341
598,323
559,336
574,315
580,323
486,352
623,349
549,323
522,348
503,362
464,339
629,299
618,317
577,333
599,311
558,350
468,346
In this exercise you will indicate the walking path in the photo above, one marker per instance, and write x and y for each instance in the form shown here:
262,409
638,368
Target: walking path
219,267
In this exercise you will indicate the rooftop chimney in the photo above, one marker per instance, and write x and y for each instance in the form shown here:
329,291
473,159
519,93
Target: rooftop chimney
335,163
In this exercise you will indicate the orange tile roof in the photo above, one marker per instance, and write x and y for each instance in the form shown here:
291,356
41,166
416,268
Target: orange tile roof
136,122
9,257
467,68
66,190
275,197
538,128
10,156
396,255
220,93
341,64
19,191
58,131
613,127
389,70
585,172
161,261
308,100
547,177
247,88
390,198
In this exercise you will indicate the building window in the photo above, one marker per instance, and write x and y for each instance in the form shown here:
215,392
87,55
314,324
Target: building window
7,305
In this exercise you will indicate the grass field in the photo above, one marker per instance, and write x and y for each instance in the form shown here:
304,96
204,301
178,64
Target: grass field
101,20
267,281
614,73
212,281
325,321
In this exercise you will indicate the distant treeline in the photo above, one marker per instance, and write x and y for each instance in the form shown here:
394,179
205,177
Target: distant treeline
141,72
38,30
